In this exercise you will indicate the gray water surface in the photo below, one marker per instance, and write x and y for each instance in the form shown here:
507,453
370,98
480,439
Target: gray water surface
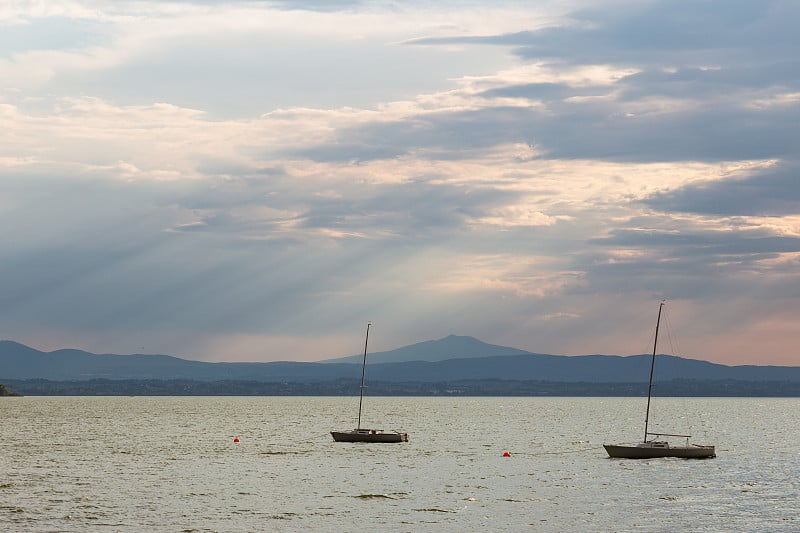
170,464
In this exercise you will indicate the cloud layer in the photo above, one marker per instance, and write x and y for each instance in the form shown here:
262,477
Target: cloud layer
256,180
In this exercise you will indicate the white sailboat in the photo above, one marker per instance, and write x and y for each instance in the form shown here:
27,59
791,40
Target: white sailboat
653,448
362,434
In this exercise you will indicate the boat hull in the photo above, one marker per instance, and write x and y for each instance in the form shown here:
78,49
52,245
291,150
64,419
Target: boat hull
368,435
639,451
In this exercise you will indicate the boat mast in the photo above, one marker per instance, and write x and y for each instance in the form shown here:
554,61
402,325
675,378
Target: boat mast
652,365
363,369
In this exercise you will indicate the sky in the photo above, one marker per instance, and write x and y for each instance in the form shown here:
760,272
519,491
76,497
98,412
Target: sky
256,180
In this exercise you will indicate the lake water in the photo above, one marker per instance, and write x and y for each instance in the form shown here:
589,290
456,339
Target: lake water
170,464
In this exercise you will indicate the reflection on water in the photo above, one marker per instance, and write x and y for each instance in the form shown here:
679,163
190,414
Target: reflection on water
171,464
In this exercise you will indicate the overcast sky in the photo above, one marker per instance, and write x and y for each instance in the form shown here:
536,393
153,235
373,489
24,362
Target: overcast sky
254,181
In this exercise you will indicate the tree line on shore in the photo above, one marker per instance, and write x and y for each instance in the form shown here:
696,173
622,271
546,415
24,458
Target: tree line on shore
347,387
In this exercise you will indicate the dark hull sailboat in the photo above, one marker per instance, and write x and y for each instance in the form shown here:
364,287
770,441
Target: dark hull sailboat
652,449
367,435
656,449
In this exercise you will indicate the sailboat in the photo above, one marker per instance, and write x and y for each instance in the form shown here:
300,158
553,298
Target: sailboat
367,435
649,449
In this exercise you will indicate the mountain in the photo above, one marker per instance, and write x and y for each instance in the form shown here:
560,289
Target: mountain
574,369
450,347
19,362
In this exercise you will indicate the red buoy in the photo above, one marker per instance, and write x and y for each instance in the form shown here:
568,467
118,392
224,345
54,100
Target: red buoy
506,454
236,439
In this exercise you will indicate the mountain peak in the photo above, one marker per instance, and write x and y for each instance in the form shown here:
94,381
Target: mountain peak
449,347
8,346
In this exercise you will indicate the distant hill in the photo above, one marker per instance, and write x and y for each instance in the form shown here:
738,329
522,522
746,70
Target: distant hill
20,362
450,347
574,369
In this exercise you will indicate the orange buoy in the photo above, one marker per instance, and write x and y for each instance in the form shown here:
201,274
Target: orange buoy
236,439
506,454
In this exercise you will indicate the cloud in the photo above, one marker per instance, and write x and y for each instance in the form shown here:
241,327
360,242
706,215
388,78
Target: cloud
193,175
770,192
